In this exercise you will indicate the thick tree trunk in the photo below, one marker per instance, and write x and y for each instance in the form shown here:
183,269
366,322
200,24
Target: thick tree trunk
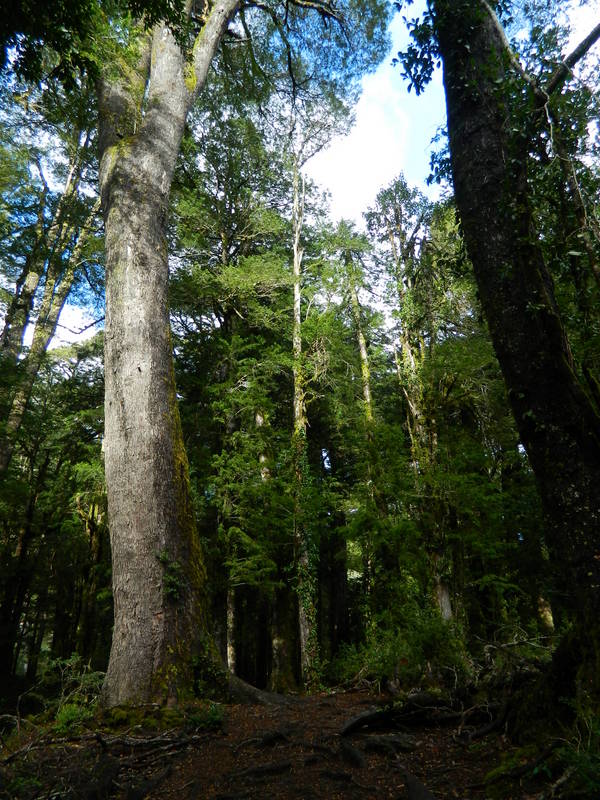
557,423
158,572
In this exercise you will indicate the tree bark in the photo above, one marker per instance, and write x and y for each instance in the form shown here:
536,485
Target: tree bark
158,571
557,423
59,282
305,567
365,370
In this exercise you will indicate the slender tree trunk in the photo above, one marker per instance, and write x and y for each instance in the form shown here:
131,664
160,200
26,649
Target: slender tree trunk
17,580
365,370
87,627
305,567
557,423
37,636
298,253
231,660
19,309
158,571
370,556
46,251
59,283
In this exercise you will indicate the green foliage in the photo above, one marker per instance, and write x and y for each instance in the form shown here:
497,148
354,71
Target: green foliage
433,491
78,683
68,39
425,650
23,786
581,757
71,717
206,717
69,689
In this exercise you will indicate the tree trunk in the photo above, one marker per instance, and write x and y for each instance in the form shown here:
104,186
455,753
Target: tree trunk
365,370
59,283
284,618
17,579
305,567
47,249
557,423
158,571
231,629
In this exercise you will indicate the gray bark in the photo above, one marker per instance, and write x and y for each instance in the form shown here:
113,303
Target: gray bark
365,371
307,609
158,572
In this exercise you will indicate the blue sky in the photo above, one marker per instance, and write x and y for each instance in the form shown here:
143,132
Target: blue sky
392,133
393,128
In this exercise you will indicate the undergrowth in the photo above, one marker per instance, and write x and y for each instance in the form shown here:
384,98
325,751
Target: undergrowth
428,651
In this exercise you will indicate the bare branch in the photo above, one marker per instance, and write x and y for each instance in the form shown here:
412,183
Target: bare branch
563,70
327,10
529,79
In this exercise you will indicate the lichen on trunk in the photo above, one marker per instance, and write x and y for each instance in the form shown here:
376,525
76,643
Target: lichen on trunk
160,632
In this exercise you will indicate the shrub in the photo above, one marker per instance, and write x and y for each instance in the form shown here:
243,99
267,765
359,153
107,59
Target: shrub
427,650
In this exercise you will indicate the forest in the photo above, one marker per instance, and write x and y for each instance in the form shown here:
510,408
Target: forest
297,467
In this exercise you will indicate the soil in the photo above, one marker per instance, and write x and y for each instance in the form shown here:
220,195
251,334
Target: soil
324,746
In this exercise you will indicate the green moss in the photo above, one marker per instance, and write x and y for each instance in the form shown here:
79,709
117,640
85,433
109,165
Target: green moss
117,717
193,715
189,76
498,779
145,717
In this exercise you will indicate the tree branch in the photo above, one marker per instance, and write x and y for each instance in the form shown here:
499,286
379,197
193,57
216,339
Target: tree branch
529,79
562,71
576,55
207,41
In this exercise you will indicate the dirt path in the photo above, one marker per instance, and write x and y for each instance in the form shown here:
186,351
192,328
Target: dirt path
297,750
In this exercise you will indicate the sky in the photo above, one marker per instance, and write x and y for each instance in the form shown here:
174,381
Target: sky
394,128
392,134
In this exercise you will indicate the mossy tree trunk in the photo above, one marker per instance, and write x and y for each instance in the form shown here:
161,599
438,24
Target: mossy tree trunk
158,572
557,422
304,551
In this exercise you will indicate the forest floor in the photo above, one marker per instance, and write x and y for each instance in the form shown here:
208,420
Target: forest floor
334,745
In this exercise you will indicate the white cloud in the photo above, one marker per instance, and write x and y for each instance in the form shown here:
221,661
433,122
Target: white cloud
356,166
394,129
72,327
582,20
392,134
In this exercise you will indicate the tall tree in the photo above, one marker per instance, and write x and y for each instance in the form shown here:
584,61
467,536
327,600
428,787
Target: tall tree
143,105
144,100
48,252
558,422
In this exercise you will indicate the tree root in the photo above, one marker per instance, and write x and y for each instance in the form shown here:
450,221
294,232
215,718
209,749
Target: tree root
242,692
